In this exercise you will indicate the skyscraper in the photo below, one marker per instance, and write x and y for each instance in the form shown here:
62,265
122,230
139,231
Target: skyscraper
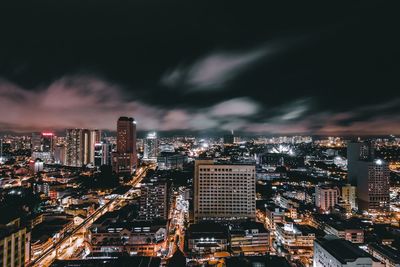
370,175
92,137
224,191
102,154
229,139
373,184
125,159
126,135
151,147
36,141
47,142
42,145
74,148
60,154
80,146
357,151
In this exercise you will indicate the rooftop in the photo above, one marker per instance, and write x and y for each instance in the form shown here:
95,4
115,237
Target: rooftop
392,254
261,261
343,250
250,225
117,262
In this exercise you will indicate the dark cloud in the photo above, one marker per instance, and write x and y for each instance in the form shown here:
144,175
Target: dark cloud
214,71
183,66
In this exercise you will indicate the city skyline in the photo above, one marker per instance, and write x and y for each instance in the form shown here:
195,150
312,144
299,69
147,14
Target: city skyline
261,69
199,133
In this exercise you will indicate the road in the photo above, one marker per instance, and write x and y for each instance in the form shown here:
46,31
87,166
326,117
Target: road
49,255
178,215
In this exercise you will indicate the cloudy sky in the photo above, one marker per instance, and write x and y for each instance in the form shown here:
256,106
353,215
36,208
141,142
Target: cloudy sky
201,66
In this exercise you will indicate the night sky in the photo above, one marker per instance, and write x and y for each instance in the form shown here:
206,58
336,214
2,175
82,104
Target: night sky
201,66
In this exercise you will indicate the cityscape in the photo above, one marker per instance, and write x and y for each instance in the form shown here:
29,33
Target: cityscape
174,134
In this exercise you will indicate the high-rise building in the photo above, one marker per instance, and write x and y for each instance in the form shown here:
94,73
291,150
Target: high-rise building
154,201
373,184
151,147
224,191
102,154
125,159
1,151
126,135
74,145
370,175
326,197
90,138
47,142
60,154
36,141
349,195
80,146
42,146
357,151
229,139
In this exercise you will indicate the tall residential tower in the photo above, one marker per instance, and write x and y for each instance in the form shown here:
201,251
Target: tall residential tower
80,146
125,158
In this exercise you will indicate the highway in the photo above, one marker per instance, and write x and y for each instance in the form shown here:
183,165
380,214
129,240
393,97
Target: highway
44,259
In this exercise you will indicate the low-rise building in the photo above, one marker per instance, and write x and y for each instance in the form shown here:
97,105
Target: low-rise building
274,215
51,230
259,261
341,253
206,238
142,238
249,238
168,161
295,240
333,225
344,230
387,255
117,260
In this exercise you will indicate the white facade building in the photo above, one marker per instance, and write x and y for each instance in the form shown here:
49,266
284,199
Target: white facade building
341,253
150,152
325,197
224,191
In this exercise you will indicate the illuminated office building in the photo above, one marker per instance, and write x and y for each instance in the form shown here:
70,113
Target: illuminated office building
224,191
373,184
371,175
